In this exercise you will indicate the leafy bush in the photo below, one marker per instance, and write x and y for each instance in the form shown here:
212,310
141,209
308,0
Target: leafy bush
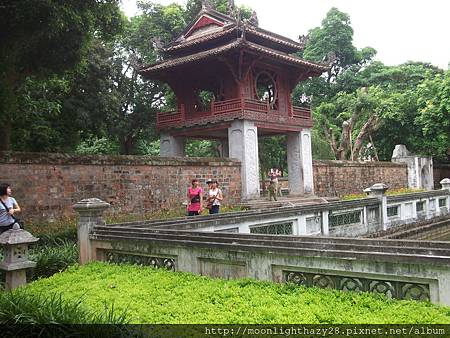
400,191
158,296
54,233
27,309
50,260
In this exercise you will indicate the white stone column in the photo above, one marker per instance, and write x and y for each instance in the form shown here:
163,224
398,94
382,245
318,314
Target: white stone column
171,146
243,145
299,157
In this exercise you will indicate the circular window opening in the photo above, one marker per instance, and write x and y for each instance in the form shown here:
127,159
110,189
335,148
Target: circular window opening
265,87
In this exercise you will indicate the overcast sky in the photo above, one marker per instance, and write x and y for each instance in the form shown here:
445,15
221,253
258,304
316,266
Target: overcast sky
400,30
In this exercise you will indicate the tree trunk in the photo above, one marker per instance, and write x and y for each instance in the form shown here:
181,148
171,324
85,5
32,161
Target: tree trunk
370,126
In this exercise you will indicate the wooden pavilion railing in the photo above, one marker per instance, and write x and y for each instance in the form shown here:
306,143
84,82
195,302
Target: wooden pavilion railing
227,107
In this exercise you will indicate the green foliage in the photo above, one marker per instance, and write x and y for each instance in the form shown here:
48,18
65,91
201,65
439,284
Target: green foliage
272,154
201,148
43,38
22,307
50,260
95,146
157,296
434,115
392,192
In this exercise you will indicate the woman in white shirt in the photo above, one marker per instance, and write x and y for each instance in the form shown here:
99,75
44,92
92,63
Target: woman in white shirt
8,206
214,198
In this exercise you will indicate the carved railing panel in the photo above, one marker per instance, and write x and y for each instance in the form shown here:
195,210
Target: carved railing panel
273,229
390,289
345,217
227,106
301,112
127,258
169,117
257,106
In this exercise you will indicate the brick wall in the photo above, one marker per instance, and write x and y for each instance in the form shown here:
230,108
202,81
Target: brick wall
339,178
47,185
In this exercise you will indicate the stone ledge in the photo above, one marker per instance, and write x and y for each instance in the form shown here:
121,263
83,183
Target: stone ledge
336,163
74,159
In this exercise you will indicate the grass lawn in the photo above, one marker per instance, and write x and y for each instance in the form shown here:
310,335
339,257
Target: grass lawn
157,296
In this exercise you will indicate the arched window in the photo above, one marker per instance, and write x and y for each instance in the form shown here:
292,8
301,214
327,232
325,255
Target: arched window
266,89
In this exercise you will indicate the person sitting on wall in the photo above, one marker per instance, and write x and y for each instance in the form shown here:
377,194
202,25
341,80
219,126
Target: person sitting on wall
195,198
8,207
214,197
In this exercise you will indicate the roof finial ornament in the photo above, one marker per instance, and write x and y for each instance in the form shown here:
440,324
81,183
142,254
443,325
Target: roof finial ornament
253,19
206,4
303,39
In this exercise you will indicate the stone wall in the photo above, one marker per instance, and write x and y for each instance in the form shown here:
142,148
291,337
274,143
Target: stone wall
47,185
440,171
339,178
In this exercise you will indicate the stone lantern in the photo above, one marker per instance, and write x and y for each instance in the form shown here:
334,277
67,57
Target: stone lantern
15,262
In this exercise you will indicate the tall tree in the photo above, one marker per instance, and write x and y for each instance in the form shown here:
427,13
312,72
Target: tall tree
39,38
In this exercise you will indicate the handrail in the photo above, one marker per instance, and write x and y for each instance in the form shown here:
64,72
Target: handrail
301,112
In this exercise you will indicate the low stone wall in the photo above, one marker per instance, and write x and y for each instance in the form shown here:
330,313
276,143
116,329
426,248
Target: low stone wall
339,178
47,185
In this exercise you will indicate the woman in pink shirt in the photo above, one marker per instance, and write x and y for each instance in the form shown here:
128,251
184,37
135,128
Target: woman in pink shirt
195,198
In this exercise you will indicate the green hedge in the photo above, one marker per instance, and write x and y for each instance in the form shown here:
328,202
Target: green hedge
157,296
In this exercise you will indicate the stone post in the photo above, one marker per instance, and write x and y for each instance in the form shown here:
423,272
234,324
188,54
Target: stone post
325,223
91,212
299,158
379,190
172,146
243,145
15,262
445,184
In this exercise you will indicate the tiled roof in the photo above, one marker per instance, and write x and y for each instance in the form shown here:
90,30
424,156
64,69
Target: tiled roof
229,29
273,37
207,37
283,56
239,43
190,58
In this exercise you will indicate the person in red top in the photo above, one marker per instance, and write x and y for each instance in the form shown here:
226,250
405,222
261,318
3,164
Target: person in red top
195,198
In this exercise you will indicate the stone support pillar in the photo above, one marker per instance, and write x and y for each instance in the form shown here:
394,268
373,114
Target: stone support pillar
223,148
299,157
379,190
172,146
91,214
243,145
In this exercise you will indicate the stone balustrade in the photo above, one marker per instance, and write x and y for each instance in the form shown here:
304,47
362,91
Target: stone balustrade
278,245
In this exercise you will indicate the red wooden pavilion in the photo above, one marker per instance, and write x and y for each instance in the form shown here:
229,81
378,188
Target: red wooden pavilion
233,82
